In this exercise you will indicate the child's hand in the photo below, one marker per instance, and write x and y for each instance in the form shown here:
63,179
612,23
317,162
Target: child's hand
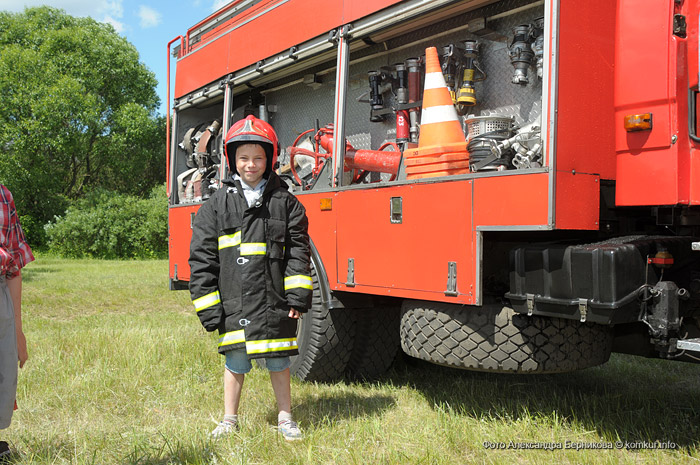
294,314
21,349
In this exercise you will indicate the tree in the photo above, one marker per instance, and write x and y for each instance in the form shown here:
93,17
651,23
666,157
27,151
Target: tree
77,111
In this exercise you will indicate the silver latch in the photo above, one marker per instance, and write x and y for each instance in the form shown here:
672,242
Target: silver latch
351,273
451,279
530,303
396,210
583,309
696,246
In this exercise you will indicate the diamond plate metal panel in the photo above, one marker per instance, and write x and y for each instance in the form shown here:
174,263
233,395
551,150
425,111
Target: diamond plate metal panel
360,141
296,108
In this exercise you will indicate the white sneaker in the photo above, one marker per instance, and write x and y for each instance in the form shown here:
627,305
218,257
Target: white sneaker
289,429
225,428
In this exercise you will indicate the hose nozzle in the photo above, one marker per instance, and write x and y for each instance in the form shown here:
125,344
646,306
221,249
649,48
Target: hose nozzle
520,52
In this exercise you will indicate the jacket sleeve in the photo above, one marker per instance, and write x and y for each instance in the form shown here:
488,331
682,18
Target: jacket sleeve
14,250
204,268
297,277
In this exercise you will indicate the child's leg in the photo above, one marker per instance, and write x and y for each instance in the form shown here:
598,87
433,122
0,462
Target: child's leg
237,365
283,391
233,385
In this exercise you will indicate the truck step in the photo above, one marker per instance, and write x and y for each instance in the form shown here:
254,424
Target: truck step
689,344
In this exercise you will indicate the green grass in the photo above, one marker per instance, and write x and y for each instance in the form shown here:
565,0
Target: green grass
121,372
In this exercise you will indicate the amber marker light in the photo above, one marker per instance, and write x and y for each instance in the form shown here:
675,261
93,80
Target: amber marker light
640,122
326,204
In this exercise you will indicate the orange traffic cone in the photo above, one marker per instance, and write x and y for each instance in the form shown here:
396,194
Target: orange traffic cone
442,148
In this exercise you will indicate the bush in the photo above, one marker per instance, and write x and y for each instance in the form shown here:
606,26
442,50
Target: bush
33,231
110,225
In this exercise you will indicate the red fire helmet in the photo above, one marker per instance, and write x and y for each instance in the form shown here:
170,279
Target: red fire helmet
251,130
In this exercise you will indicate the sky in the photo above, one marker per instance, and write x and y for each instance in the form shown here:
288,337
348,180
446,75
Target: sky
148,24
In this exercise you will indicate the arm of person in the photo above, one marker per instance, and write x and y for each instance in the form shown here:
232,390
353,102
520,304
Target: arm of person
15,244
14,285
298,285
204,268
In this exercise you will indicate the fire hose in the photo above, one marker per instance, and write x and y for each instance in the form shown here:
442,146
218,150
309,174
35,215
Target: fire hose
364,161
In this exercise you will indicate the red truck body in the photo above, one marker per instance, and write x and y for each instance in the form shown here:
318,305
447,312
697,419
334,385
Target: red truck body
466,239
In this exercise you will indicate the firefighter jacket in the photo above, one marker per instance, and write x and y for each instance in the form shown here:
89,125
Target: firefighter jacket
249,266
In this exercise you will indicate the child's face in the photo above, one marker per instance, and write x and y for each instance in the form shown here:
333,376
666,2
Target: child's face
250,163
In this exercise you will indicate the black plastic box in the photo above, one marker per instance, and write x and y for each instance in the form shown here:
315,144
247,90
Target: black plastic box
600,282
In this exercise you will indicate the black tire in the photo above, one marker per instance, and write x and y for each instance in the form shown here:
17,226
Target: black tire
325,339
376,342
496,339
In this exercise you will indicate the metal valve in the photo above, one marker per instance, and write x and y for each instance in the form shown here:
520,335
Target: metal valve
538,46
375,96
449,69
413,66
520,52
466,94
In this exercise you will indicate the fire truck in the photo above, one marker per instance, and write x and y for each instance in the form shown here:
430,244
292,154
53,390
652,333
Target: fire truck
508,186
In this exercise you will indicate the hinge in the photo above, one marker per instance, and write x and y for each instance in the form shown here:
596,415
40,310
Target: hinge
583,309
293,53
451,279
530,303
259,67
345,31
192,220
175,273
679,26
351,273
333,36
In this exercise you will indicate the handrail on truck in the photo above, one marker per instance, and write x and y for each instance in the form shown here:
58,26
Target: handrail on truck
167,117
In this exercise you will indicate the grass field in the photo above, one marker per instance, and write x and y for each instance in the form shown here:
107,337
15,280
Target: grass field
120,372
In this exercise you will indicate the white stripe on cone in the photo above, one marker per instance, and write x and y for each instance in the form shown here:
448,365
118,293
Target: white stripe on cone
438,114
434,81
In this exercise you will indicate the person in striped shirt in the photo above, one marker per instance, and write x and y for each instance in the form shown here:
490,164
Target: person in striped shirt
15,253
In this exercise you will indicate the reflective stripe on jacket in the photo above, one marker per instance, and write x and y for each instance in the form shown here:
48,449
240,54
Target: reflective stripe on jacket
249,266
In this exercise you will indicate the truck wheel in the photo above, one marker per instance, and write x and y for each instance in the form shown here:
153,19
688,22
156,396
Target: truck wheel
376,342
496,339
325,339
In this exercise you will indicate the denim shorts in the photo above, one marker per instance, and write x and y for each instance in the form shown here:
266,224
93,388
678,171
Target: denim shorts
237,362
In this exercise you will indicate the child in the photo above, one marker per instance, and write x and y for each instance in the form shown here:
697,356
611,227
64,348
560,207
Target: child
250,270
14,255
